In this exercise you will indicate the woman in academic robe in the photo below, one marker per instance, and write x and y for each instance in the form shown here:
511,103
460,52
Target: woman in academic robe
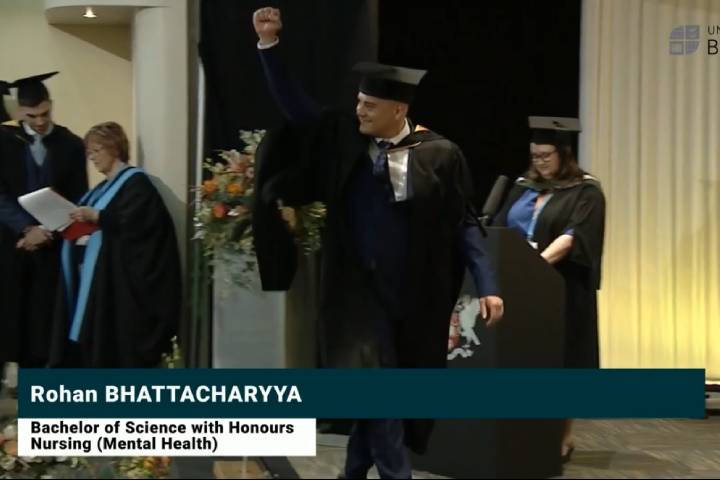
121,288
560,210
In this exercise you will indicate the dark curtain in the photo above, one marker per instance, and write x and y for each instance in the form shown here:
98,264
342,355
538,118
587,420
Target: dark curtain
491,65
321,39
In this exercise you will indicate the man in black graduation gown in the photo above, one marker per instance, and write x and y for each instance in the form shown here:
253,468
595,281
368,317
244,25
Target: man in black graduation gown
34,154
398,234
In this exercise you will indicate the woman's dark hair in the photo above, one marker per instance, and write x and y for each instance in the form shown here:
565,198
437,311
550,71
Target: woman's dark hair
569,168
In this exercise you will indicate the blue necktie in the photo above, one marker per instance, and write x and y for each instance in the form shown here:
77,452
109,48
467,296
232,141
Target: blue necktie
381,160
38,151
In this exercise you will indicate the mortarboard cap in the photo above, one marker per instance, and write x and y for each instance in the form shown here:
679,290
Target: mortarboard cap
31,91
388,81
556,131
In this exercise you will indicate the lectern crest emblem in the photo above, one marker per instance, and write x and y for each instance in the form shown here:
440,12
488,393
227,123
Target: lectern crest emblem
462,339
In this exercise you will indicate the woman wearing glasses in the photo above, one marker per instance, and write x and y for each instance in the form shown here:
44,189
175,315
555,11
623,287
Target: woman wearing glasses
121,293
560,210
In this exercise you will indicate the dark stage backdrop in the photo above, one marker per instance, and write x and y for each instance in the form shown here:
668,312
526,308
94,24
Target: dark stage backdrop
321,39
491,63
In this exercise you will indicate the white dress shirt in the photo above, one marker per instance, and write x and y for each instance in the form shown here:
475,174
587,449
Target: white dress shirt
397,163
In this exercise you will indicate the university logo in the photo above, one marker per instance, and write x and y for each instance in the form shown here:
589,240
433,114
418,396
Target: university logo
684,40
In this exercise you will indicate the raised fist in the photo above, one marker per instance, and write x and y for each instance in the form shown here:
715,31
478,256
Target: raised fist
267,24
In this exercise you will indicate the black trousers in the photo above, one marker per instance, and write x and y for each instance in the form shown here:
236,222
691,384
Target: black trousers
380,443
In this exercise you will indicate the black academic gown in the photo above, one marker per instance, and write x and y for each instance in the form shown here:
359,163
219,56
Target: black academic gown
135,300
4,116
274,244
580,207
28,281
324,161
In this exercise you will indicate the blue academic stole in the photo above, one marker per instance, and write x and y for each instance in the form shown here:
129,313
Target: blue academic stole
98,198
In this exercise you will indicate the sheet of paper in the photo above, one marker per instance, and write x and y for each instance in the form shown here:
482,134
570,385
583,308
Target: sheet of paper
49,208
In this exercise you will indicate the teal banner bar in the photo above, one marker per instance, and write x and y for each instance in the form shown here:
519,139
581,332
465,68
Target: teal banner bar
361,393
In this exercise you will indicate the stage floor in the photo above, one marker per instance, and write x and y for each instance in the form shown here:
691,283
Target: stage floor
604,449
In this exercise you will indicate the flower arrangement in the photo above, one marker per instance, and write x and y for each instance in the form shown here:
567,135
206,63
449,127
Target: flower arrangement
223,214
144,467
14,466
151,467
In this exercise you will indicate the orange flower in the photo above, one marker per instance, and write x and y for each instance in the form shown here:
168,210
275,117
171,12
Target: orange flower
210,186
220,210
11,448
235,189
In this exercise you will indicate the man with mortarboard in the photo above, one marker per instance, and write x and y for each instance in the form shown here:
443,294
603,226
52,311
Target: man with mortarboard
34,153
399,233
